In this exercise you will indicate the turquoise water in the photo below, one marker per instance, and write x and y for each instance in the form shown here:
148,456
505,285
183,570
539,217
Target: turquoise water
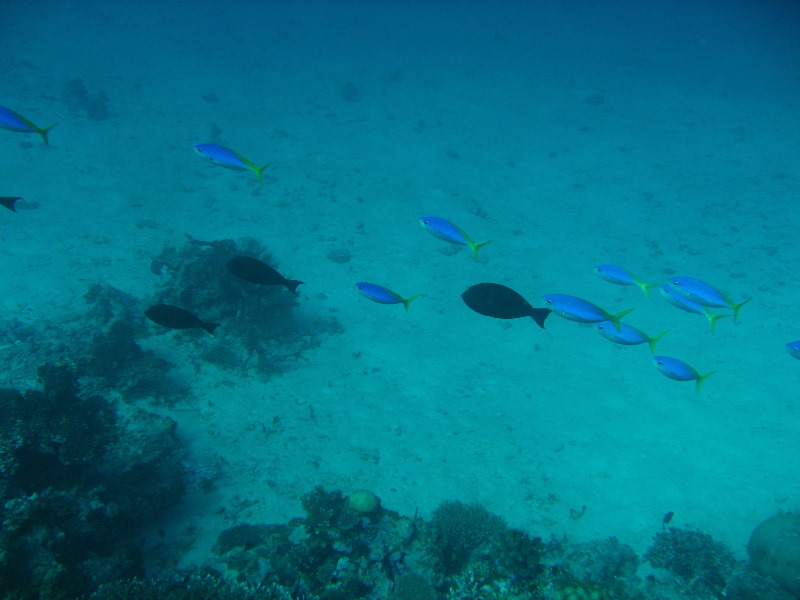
661,137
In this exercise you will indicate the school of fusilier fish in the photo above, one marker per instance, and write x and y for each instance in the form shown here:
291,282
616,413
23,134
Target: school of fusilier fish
489,299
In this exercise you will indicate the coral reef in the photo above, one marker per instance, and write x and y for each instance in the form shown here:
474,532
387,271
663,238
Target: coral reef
200,586
460,529
113,357
333,552
702,564
603,562
259,330
260,334
336,553
76,481
101,345
413,586
520,556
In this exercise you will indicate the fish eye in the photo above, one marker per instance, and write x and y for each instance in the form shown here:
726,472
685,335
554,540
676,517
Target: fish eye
660,362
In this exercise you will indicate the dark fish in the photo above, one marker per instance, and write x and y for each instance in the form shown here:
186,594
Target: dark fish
255,271
9,202
177,318
667,518
501,302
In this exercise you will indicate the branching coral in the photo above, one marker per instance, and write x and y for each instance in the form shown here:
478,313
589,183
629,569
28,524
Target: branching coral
702,564
460,529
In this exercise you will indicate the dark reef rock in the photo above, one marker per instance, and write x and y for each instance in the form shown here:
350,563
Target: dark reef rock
121,364
113,357
246,537
54,430
101,345
520,555
76,482
602,562
145,468
413,586
752,586
774,550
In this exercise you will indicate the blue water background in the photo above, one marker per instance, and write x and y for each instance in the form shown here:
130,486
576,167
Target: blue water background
660,136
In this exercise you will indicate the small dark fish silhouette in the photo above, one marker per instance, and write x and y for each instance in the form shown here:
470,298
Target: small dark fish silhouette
9,202
177,318
256,271
501,302
667,518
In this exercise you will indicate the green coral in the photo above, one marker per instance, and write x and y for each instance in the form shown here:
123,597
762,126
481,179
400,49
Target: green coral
362,502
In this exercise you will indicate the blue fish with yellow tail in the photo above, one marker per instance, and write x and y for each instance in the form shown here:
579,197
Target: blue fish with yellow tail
581,311
16,122
680,301
225,157
679,370
793,348
445,230
620,276
705,294
628,335
381,295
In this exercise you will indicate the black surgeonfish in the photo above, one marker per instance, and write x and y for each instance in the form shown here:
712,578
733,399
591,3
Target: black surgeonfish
255,271
177,318
10,202
501,302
